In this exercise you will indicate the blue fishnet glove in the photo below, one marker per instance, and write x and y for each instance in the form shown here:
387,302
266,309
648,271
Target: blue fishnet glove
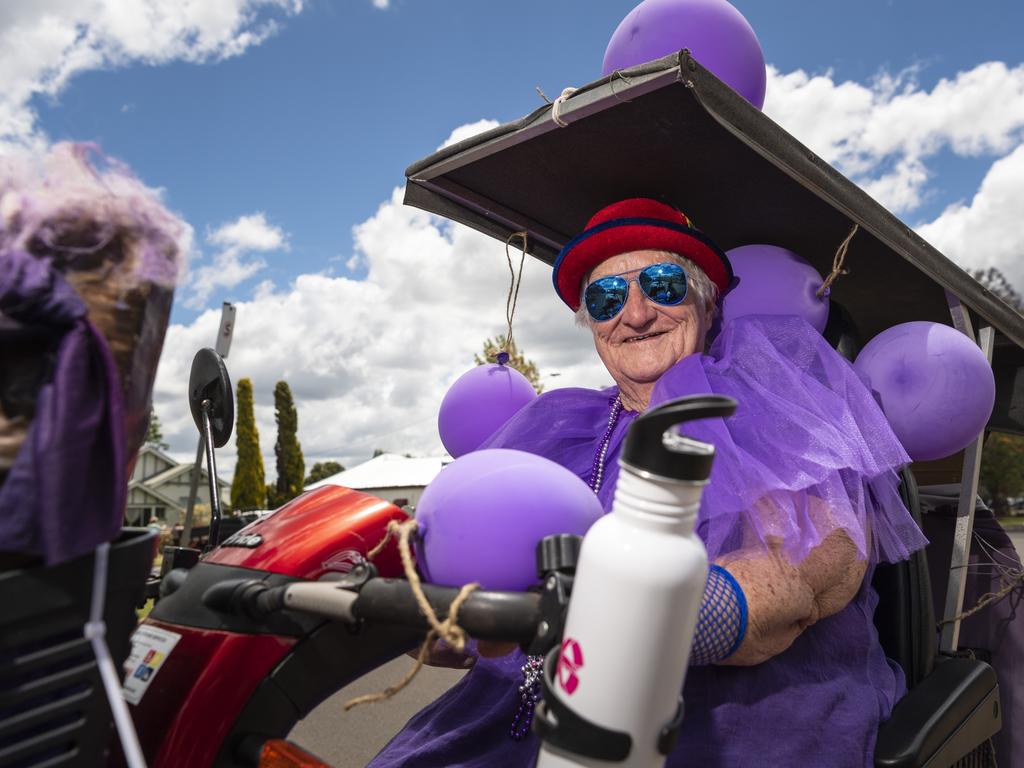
722,621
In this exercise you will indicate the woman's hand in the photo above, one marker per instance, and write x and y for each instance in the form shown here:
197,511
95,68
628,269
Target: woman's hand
784,599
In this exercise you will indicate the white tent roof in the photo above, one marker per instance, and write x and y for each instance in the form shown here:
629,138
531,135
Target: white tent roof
389,470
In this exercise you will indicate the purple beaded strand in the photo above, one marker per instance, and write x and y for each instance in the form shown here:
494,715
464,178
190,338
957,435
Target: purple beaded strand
533,669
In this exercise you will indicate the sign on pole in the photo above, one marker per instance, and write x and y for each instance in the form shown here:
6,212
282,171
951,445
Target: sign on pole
227,328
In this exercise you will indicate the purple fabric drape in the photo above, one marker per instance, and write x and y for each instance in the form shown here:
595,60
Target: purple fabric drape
807,427
66,490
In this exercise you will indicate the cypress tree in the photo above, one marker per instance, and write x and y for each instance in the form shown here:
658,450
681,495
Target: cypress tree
155,433
291,468
248,489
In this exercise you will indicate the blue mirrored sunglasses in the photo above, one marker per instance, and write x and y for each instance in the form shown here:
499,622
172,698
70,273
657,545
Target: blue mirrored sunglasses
663,284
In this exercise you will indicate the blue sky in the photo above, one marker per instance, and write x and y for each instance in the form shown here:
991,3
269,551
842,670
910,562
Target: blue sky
315,126
281,146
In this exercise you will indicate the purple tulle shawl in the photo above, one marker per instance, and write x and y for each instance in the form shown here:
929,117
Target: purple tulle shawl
66,491
808,451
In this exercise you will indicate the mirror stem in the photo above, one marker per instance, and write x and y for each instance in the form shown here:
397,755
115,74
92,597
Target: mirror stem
211,467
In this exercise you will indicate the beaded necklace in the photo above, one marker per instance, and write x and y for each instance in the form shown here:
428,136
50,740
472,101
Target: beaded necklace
533,669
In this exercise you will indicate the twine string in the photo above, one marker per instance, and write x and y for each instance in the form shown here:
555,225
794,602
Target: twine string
556,107
989,597
515,280
1011,577
617,75
837,264
447,630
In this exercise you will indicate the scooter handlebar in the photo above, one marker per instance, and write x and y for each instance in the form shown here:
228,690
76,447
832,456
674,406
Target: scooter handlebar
487,615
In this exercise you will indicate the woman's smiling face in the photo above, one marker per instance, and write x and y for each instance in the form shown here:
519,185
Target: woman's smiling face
645,339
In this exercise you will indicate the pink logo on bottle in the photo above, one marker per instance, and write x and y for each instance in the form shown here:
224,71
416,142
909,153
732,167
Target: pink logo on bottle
569,663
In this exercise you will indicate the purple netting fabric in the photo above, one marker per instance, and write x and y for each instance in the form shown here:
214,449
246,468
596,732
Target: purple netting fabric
66,490
807,452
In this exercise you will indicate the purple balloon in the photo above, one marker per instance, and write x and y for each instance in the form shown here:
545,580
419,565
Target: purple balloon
482,516
934,384
478,403
774,281
715,32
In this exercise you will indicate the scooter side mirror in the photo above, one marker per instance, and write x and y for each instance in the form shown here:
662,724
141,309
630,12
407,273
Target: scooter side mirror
209,382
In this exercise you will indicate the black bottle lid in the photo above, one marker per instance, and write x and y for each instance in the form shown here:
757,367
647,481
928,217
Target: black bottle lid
654,445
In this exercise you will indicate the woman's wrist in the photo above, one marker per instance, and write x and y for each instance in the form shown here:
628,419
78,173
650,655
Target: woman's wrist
722,621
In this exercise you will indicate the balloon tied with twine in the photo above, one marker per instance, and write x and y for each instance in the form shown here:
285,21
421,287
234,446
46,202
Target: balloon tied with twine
485,397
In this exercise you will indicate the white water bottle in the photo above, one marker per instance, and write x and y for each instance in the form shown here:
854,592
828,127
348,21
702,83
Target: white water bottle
614,696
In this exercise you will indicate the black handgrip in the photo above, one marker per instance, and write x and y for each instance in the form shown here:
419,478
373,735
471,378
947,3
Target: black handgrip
250,597
651,447
508,616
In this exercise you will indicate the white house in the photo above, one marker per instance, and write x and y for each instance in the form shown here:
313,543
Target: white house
390,476
159,487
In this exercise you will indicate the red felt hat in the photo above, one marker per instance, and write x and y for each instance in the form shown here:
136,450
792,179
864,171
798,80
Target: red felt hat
636,224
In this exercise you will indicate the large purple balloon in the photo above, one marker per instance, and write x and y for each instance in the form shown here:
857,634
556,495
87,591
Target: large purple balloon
482,516
935,386
714,31
478,403
774,281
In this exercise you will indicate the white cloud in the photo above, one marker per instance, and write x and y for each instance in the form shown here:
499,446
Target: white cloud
881,134
369,361
251,233
463,132
233,263
382,4
987,232
45,43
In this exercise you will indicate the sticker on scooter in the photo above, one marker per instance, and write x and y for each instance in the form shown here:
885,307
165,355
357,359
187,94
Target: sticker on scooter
150,648
570,660
247,540
343,561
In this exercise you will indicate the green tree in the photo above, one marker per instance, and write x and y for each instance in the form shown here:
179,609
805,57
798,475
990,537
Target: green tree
248,486
516,359
291,468
1002,470
996,282
323,469
154,433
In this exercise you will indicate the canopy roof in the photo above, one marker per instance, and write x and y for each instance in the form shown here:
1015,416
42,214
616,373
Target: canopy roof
389,470
671,130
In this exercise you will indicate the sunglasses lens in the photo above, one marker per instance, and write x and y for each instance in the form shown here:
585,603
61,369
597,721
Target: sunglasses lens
605,297
663,283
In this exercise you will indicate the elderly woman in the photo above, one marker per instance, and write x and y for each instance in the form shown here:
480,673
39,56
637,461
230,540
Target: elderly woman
801,505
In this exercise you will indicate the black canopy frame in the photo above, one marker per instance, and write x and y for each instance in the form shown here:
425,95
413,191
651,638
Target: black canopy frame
670,129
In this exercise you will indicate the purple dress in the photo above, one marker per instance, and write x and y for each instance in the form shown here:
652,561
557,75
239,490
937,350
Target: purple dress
806,426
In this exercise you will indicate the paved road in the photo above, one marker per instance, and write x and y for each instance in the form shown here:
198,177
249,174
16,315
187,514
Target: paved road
350,739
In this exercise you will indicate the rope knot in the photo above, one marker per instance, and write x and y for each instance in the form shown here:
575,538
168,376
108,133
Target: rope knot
837,265
556,107
447,630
